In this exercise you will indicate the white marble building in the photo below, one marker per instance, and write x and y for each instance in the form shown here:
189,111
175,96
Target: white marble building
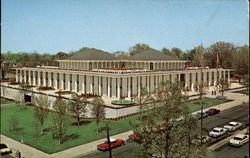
95,71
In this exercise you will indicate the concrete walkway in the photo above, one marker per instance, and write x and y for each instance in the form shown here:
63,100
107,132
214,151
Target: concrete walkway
29,152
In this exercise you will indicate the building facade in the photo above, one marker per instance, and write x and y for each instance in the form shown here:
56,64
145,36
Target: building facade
102,73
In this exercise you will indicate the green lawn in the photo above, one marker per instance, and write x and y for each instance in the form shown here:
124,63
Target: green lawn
77,135
207,102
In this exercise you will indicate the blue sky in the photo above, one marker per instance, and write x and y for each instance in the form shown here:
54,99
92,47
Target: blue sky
50,26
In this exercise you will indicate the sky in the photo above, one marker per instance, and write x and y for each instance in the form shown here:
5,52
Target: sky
50,26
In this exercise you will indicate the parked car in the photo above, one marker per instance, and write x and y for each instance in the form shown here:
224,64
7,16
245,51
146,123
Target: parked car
217,132
212,111
239,140
205,139
4,149
114,143
232,126
201,114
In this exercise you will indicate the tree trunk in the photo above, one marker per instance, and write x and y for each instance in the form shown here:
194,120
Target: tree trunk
97,127
78,120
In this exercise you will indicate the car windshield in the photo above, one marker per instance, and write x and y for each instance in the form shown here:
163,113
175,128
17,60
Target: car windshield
215,130
237,138
232,124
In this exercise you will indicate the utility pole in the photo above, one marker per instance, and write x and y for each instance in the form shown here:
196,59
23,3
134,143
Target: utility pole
201,89
110,152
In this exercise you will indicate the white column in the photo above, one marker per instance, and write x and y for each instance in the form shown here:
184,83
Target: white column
88,84
187,80
113,82
29,77
224,75
55,80
152,87
104,86
209,78
17,77
148,84
74,82
129,88
44,78
95,88
119,88
229,76
109,87
99,85
193,81
134,85
34,78
38,78
49,79
124,87
61,81
199,78
205,78
215,77
25,79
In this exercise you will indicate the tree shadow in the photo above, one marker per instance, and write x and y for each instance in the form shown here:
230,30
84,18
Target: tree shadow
83,122
104,129
70,137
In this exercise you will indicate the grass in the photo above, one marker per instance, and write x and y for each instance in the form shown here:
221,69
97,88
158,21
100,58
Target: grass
207,102
84,134
123,102
77,135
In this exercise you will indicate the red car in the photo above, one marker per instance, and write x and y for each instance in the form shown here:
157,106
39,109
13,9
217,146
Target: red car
114,144
212,111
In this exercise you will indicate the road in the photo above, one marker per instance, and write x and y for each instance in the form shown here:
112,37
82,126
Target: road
238,113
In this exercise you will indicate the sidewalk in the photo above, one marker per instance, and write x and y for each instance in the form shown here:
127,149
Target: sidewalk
30,152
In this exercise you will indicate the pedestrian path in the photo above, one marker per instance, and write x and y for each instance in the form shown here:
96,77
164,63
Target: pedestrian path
29,152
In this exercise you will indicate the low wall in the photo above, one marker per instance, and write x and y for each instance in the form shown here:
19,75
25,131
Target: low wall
111,113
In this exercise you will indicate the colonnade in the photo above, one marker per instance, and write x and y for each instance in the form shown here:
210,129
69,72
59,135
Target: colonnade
116,86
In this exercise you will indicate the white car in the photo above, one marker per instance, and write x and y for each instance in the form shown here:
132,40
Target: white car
232,126
217,132
239,140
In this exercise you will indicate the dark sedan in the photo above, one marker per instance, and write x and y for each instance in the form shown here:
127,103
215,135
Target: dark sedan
212,111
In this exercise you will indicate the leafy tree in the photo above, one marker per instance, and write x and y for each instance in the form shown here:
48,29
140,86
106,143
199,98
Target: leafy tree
240,62
121,55
166,51
98,110
60,119
78,106
138,48
177,52
159,134
41,110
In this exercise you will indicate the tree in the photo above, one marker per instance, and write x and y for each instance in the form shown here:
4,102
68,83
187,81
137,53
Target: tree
177,52
41,110
98,110
60,119
160,134
141,99
166,51
121,55
246,82
13,123
78,106
222,87
240,62
138,48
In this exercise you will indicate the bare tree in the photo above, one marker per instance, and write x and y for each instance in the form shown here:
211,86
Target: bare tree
98,110
78,106
141,99
222,87
41,110
60,119
13,123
